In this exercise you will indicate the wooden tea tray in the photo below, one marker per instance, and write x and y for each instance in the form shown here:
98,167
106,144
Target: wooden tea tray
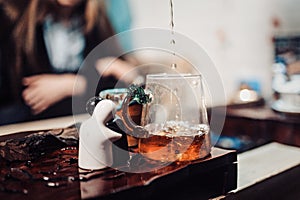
56,175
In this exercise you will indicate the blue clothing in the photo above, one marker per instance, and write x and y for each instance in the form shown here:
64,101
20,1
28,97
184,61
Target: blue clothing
118,12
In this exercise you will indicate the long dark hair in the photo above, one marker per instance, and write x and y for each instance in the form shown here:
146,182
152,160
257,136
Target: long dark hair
92,13
36,12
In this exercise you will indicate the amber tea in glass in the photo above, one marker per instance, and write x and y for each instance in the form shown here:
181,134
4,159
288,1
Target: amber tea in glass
176,119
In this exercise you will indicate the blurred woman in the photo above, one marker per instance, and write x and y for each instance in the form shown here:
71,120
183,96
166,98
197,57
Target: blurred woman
52,38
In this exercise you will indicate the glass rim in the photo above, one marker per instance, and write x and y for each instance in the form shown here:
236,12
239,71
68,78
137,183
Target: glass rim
172,76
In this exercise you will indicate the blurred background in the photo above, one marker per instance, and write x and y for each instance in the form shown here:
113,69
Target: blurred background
254,45
239,36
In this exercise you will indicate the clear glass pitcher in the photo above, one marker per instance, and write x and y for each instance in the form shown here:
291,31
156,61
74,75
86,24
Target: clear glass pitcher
175,119
174,124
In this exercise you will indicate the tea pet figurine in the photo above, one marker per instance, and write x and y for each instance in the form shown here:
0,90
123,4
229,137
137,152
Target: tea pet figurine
96,140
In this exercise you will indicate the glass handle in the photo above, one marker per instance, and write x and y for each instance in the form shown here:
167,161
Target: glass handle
126,123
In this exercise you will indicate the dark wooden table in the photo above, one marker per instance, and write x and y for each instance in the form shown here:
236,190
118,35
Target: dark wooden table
55,175
259,124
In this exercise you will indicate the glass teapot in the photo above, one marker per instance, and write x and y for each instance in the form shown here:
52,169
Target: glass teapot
173,117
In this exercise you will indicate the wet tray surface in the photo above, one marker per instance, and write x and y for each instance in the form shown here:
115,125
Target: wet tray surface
44,164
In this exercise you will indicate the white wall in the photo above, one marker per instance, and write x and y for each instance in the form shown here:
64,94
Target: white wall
235,33
288,13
